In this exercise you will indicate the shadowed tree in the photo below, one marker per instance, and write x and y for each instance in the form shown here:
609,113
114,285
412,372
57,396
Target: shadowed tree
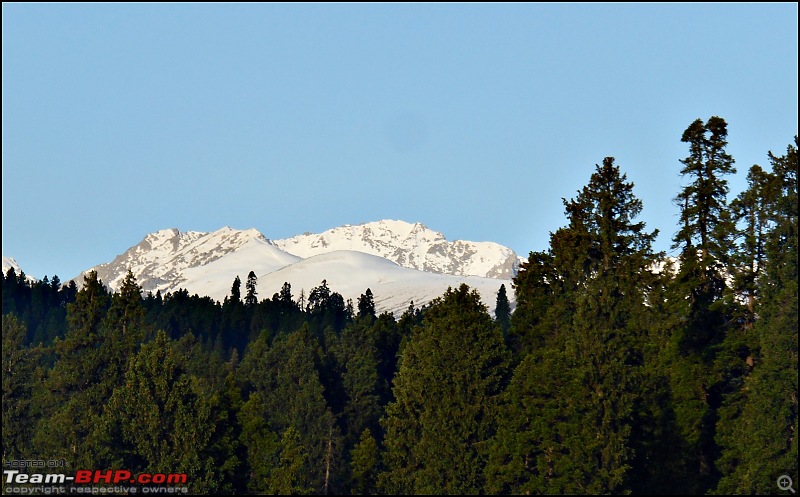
451,372
567,418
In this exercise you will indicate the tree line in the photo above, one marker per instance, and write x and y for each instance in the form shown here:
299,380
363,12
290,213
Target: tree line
621,370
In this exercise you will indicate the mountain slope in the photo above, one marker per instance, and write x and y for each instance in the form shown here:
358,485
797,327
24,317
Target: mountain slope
350,273
413,246
11,263
207,264
169,259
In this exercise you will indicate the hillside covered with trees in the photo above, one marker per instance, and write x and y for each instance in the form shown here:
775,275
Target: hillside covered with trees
621,370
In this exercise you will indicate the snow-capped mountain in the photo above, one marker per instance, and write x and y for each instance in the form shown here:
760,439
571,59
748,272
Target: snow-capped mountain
207,264
8,263
350,273
413,246
168,260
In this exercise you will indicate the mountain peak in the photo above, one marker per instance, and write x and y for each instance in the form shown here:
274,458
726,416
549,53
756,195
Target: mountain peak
412,245
11,263
166,259
391,256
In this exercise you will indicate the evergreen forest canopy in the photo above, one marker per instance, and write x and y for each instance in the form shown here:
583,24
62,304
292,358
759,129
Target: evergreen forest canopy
620,371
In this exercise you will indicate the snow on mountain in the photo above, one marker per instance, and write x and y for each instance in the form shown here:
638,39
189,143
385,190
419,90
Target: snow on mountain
11,263
350,273
413,246
207,263
169,259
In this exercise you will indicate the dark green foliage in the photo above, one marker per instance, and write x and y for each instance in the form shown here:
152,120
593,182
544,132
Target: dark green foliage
620,370
262,444
236,291
366,305
502,310
40,305
251,298
327,309
19,380
286,377
365,465
76,386
758,422
355,353
568,417
442,418
705,226
536,285
160,421
702,316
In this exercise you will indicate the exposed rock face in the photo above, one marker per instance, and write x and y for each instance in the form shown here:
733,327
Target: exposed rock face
410,245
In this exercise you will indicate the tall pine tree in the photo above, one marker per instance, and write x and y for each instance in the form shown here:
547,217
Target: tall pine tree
699,311
567,420
451,372
758,426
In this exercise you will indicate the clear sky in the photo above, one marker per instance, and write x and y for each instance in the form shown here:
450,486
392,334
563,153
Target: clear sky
474,119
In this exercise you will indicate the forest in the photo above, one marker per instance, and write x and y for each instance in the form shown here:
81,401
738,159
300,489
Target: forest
621,369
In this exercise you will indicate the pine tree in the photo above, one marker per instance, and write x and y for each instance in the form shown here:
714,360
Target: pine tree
159,421
752,208
19,379
286,376
366,305
251,298
536,286
502,310
356,356
75,400
705,226
758,426
567,420
123,331
236,290
262,444
701,313
287,478
365,461
450,375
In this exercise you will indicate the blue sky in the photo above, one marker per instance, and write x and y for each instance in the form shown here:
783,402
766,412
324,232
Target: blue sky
474,119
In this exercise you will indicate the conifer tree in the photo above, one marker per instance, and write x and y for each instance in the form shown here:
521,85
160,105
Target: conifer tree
366,305
159,421
251,298
699,311
262,444
123,332
502,310
758,424
75,400
19,379
288,478
450,375
365,461
535,287
357,357
567,417
286,376
236,290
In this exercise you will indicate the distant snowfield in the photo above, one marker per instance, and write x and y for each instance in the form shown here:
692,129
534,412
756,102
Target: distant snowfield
350,273
398,261
10,263
414,246
346,272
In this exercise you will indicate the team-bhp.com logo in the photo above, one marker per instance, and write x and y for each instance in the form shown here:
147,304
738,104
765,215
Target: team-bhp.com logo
87,480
